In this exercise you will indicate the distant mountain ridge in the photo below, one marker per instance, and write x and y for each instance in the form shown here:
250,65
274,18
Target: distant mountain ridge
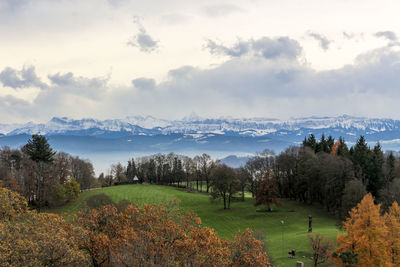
292,130
110,141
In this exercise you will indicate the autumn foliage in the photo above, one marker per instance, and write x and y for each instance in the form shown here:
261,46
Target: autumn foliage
267,192
28,238
156,235
118,235
374,238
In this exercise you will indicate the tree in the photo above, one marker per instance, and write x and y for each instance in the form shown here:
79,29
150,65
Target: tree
28,238
392,220
244,178
360,154
131,170
39,151
205,166
118,171
390,193
375,174
162,235
82,170
267,191
365,234
353,193
321,248
224,183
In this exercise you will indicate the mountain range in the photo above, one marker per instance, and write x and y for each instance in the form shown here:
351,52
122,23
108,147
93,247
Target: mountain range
139,135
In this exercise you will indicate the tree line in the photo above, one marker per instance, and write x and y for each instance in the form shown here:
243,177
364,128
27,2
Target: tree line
325,172
43,176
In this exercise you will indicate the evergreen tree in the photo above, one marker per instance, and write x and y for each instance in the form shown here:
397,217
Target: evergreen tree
361,156
310,142
375,174
342,149
329,142
39,149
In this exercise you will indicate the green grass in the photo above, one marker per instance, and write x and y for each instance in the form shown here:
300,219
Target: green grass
241,215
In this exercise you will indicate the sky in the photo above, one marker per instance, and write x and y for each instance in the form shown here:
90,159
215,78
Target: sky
109,59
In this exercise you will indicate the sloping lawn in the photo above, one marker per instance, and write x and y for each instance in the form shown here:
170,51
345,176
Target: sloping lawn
241,215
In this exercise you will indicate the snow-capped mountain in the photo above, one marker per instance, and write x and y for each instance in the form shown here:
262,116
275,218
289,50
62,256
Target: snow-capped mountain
109,141
346,126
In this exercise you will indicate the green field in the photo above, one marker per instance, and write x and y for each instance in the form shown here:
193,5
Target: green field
241,215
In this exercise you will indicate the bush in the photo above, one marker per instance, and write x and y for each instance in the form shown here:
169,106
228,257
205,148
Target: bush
98,201
72,190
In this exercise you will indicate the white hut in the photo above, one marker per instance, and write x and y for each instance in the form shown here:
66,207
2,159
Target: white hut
135,180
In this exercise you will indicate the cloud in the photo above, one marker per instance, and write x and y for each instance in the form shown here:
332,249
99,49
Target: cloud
266,47
324,42
144,83
389,35
221,10
242,86
26,77
91,88
143,40
237,50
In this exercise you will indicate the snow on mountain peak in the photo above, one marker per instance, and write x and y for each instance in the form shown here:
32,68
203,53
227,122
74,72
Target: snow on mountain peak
194,124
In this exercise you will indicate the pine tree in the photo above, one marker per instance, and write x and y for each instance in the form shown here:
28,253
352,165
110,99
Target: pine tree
39,149
361,156
375,174
342,149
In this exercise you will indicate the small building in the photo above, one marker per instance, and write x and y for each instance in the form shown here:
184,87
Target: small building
135,180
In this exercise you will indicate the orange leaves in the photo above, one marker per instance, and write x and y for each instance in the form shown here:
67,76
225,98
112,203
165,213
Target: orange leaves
392,219
134,235
155,235
28,238
247,251
11,204
335,147
375,238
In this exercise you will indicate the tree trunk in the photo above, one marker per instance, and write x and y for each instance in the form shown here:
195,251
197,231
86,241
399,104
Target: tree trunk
224,202
242,193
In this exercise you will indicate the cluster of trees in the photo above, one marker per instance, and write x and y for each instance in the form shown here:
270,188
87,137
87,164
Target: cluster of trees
42,176
118,235
329,173
324,171
168,169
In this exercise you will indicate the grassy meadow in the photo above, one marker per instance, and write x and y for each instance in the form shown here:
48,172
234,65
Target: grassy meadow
241,215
